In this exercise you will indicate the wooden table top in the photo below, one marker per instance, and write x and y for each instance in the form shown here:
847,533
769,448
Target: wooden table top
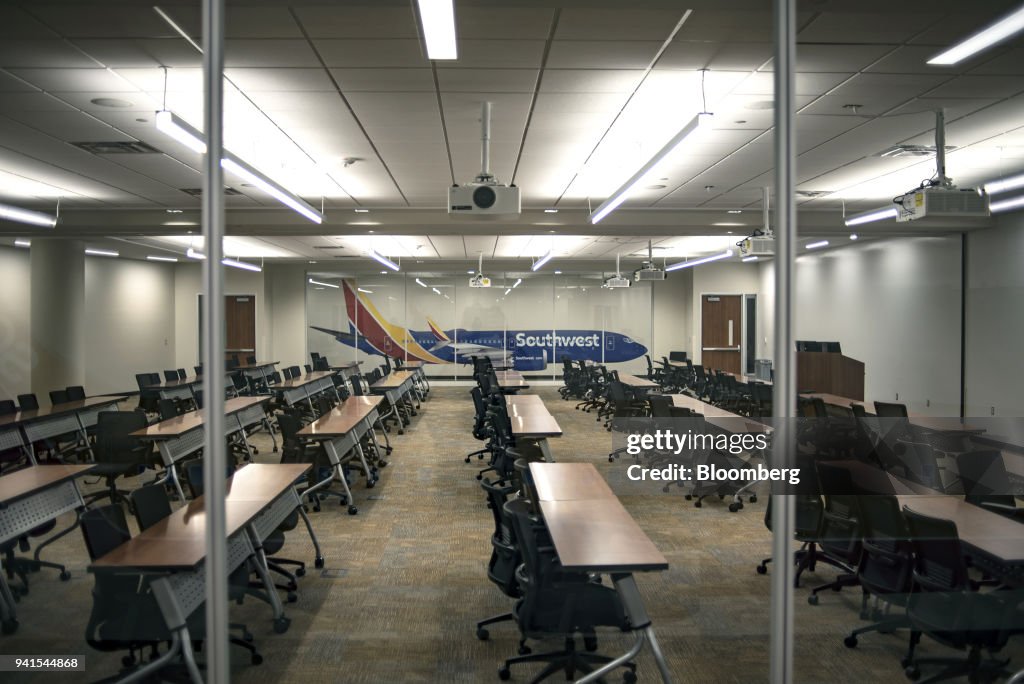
599,535
342,419
179,425
43,412
530,417
302,380
26,481
174,384
569,482
719,417
634,381
744,380
392,381
510,379
929,423
254,366
178,542
993,534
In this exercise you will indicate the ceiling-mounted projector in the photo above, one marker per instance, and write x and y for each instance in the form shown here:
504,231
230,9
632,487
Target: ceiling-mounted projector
757,246
938,201
616,281
479,280
648,271
484,195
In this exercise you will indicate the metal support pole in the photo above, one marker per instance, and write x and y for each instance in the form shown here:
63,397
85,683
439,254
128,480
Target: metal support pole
940,148
784,400
214,459
485,141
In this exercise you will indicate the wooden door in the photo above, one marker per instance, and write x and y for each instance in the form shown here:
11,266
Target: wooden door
721,332
240,326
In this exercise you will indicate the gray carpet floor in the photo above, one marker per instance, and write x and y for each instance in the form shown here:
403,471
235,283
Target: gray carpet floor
405,581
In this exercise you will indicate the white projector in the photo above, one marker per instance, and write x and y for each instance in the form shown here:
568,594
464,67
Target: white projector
758,246
648,272
941,202
483,199
617,281
479,280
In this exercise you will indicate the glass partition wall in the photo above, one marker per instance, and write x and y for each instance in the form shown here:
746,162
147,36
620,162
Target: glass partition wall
527,321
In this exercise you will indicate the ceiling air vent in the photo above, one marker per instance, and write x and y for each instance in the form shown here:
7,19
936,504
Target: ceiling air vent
812,194
119,147
912,151
198,192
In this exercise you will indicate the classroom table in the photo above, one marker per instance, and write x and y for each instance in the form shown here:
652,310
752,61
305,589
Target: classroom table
173,552
593,532
530,419
305,387
933,424
183,435
29,498
395,388
725,420
180,389
347,369
53,421
341,432
511,380
419,368
636,382
257,372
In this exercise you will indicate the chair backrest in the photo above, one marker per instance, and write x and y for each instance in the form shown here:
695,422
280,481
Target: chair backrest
321,364
309,368
287,372
194,473
840,527
7,407
75,393
28,402
939,603
58,397
661,405
170,375
198,370
983,474
104,529
295,371
250,360
167,409
182,374
151,505
142,380
677,356
887,561
114,443
505,557
314,355
232,363
885,409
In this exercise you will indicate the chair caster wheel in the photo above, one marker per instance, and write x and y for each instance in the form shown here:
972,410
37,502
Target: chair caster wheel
905,662
370,484
813,599
256,659
611,459
504,674
281,625
65,575
482,634
850,641
300,572
753,498
762,569
735,506
525,650
292,598
319,562
590,643
275,451
665,489
401,432
721,497
836,588
698,504
9,626
352,510
479,476
467,459
688,497
912,672
629,677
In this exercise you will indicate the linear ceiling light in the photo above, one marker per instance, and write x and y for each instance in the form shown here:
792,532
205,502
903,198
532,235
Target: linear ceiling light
1006,27
748,259
383,259
540,262
363,289
9,213
318,282
1007,204
102,252
1002,185
161,258
177,128
816,245
235,263
701,121
874,215
420,283
697,262
507,291
516,284
22,243
438,19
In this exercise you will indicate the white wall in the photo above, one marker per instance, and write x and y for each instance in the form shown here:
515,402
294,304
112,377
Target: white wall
285,287
672,305
15,304
129,307
893,304
995,318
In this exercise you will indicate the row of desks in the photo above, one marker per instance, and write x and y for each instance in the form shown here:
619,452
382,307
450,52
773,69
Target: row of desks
531,420
21,429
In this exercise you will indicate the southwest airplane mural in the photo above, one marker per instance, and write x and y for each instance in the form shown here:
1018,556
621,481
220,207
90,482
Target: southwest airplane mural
525,350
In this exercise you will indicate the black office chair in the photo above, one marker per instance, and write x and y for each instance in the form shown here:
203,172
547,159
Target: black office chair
839,536
118,454
986,482
308,367
170,375
75,393
885,409
147,397
28,402
167,408
505,555
886,565
182,375
559,602
946,605
58,397
250,360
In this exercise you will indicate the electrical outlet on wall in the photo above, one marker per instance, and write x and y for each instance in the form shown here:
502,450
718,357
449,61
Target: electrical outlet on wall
993,410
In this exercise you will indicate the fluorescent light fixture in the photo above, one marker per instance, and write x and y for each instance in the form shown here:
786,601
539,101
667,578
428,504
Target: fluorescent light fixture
193,254
735,211
420,283
728,223
172,125
179,223
697,262
701,121
550,211
22,243
874,215
1011,183
234,263
436,291
246,172
383,259
516,284
438,19
101,252
1007,204
854,236
816,245
470,271
36,218
1006,27
508,290
748,259
161,258
317,282
362,289
558,273
361,211
543,260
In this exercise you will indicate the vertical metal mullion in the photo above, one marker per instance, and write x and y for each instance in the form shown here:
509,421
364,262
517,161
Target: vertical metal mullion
784,400
214,460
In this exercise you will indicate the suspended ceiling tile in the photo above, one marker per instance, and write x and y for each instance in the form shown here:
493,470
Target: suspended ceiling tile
150,52
590,54
279,79
893,27
616,24
501,54
502,23
384,80
356,52
40,53
277,52
487,80
590,80
336,21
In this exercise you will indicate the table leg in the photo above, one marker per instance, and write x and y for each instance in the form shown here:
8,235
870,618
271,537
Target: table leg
263,571
335,458
85,435
545,449
8,613
319,560
154,666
